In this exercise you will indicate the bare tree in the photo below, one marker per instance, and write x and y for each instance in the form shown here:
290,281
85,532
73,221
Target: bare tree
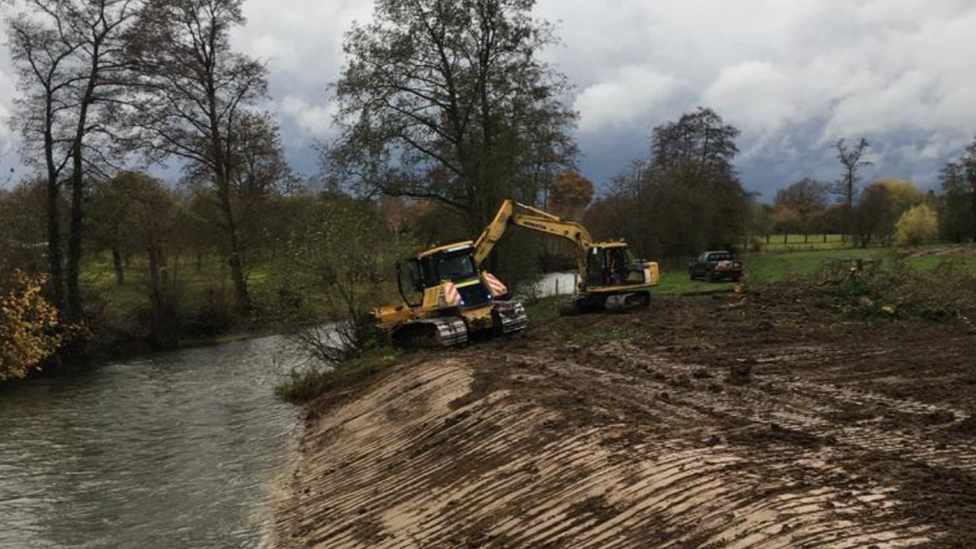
448,101
700,145
68,55
852,159
194,99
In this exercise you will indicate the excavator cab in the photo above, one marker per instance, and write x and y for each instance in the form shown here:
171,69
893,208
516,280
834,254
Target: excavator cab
445,298
614,264
452,267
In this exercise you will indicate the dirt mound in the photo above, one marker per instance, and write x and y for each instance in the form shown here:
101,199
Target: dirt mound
620,431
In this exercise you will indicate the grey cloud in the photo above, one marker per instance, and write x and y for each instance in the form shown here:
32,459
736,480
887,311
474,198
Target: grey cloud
794,75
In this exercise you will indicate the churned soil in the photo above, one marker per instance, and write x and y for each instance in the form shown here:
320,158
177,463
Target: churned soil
757,420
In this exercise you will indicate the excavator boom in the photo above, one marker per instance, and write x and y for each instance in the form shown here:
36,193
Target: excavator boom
519,214
613,285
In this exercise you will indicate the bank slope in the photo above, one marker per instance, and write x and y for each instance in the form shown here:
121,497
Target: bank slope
534,443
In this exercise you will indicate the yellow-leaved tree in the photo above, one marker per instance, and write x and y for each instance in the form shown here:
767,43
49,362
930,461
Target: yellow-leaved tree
28,325
917,226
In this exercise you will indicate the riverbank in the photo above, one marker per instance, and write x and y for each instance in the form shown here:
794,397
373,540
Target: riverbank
776,419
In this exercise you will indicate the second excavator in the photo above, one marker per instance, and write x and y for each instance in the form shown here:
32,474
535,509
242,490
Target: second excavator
609,277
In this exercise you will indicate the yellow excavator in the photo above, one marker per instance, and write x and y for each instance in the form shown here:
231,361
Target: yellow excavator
608,275
447,295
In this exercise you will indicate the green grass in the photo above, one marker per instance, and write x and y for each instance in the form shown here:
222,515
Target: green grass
544,309
774,267
798,242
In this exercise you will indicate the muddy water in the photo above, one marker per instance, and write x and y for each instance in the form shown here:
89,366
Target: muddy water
177,450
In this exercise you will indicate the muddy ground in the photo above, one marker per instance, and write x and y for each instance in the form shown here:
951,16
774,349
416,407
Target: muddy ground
762,420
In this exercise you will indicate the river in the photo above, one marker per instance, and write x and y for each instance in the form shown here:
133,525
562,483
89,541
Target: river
175,450
551,284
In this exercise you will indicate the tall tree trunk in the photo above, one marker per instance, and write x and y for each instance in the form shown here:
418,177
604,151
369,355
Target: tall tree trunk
972,199
156,335
55,260
76,222
54,257
75,228
235,261
117,262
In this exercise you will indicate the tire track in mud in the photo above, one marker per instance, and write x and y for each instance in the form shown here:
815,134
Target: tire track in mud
526,451
811,408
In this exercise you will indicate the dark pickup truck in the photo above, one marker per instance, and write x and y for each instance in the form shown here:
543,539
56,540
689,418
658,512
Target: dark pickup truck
714,266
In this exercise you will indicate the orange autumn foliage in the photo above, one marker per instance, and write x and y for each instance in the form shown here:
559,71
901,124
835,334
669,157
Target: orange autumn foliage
28,325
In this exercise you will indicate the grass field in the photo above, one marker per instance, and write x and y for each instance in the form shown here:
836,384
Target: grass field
798,242
771,267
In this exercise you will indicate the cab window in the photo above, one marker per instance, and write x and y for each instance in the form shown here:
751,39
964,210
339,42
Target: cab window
410,281
456,266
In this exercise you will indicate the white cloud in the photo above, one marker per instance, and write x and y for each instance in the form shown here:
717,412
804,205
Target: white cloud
756,96
625,100
314,119
792,74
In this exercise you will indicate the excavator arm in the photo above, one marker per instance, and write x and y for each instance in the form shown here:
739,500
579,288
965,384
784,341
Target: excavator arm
514,213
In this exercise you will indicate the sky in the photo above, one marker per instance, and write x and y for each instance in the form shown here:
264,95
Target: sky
793,75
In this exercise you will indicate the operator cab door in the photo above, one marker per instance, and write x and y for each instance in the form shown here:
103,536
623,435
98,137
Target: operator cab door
596,267
411,282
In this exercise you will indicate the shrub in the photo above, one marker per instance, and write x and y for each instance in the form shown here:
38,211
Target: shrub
28,325
917,226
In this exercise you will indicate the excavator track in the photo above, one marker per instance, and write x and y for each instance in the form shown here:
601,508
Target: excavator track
510,316
596,302
432,332
628,301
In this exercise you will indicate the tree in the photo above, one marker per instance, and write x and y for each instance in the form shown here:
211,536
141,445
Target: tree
852,160
807,197
881,205
959,186
447,101
957,219
917,225
569,194
685,198
195,102
786,220
68,55
700,145
325,257
153,215
969,161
